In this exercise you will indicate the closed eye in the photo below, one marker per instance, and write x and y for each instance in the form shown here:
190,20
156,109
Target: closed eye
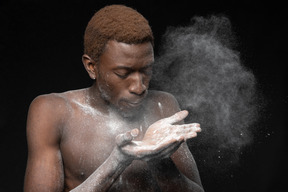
122,73
122,76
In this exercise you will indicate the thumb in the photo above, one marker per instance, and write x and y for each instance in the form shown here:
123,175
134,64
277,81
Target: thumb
124,138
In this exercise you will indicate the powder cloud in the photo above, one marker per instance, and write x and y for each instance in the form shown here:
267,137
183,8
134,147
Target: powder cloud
200,66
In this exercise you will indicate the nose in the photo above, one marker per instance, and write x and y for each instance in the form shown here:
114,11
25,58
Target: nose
137,86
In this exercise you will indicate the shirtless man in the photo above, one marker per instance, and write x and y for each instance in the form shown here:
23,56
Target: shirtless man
114,135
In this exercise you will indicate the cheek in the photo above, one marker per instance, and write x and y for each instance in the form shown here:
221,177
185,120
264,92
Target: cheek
114,86
104,86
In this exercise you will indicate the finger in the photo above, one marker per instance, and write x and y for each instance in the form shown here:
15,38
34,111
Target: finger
186,133
179,116
190,135
123,139
134,132
194,124
189,125
192,127
127,137
186,128
192,131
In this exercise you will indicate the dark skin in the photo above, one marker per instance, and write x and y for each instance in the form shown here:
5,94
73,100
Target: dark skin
113,136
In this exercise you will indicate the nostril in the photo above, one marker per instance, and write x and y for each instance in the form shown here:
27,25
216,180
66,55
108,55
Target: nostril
137,86
139,90
143,92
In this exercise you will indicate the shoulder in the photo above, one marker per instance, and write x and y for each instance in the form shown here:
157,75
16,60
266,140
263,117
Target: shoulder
160,95
57,102
163,101
48,102
164,98
45,115
49,111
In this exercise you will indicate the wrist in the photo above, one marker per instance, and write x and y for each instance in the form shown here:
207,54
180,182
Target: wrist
120,157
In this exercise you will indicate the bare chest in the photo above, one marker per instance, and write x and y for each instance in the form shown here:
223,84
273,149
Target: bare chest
89,138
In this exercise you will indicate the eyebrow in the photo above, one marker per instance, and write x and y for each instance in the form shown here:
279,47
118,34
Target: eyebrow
123,67
130,68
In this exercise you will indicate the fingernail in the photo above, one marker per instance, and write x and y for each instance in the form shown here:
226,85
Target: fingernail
134,132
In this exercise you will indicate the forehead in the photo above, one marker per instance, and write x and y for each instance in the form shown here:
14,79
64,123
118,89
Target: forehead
119,53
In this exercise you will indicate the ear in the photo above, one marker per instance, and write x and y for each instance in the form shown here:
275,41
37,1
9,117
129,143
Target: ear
90,66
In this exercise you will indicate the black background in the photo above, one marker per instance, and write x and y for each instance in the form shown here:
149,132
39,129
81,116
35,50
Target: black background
40,52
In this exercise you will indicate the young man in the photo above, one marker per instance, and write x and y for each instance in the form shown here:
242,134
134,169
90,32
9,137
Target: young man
115,135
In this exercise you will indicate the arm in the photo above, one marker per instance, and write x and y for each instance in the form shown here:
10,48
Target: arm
178,172
180,169
44,170
184,161
104,176
160,140
173,171
45,167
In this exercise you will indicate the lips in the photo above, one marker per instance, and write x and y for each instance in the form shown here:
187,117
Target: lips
134,104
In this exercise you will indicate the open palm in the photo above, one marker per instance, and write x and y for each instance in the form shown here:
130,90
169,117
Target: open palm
162,138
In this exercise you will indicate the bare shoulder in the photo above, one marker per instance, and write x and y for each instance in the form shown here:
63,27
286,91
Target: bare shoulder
48,103
58,102
164,101
49,111
161,95
44,117
182,158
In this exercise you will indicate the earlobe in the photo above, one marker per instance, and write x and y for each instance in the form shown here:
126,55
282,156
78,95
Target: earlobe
90,66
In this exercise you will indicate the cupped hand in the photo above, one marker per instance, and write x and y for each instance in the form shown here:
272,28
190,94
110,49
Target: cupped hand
161,139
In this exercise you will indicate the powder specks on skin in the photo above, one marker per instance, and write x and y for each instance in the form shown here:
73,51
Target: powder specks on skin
146,124
88,109
116,124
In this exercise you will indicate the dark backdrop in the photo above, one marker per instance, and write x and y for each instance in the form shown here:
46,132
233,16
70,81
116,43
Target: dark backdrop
40,52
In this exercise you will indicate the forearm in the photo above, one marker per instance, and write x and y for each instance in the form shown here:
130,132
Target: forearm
103,178
169,178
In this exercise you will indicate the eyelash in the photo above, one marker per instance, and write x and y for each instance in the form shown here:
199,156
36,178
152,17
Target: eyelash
122,76
146,72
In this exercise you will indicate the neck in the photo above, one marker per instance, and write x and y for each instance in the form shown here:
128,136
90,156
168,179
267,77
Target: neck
95,100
